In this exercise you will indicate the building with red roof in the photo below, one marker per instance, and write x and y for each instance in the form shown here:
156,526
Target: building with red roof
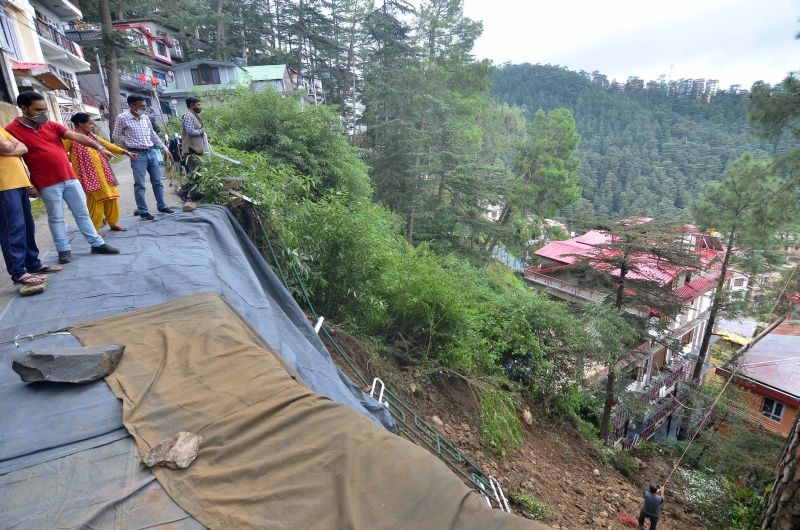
652,368
769,374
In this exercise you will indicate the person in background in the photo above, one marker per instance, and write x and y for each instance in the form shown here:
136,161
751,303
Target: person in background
651,509
193,143
17,229
52,174
135,133
94,172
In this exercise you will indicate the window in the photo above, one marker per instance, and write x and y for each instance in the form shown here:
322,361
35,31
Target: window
8,37
205,75
772,409
137,39
161,49
738,282
162,77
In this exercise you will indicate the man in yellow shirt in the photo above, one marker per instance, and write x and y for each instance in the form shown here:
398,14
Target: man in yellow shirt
17,228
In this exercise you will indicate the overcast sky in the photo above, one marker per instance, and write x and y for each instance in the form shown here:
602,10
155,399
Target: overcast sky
734,41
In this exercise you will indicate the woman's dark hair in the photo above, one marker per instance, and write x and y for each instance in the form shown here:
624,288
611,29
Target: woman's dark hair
79,118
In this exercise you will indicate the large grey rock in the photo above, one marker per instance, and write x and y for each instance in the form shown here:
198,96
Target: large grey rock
177,451
68,365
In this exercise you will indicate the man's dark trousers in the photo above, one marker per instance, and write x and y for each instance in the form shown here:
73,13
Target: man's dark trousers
17,233
653,520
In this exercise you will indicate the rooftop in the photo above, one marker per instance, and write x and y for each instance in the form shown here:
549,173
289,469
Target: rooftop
774,361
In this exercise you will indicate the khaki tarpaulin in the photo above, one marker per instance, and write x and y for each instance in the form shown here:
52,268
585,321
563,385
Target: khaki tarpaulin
275,455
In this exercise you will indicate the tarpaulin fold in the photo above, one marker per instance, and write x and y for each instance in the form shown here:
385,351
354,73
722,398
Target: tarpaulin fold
275,453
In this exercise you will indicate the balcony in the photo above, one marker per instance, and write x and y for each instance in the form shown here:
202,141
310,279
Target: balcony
136,82
570,291
58,41
86,99
670,374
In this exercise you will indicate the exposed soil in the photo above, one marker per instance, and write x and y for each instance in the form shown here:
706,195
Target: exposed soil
555,465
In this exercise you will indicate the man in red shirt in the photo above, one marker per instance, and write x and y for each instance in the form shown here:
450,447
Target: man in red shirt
52,174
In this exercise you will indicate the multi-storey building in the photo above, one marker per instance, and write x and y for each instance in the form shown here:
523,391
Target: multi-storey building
157,50
38,55
654,369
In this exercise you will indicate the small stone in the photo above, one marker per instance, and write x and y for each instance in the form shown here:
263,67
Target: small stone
413,388
604,515
189,206
30,290
596,472
465,426
437,421
527,417
174,452
68,365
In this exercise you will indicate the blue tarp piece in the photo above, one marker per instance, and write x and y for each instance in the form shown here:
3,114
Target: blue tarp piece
202,251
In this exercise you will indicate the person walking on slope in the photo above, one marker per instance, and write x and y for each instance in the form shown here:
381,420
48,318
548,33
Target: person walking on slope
52,174
95,174
193,143
134,131
651,509
17,229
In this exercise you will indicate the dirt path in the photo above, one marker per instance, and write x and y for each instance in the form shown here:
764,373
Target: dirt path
127,205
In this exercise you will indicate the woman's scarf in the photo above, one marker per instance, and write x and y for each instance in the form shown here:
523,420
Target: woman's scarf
86,168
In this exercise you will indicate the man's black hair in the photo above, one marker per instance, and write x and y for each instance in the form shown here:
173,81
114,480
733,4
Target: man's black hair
134,98
26,98
190,101
653,488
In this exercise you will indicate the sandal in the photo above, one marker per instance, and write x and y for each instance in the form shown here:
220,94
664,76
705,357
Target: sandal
118,228
29,279
44,269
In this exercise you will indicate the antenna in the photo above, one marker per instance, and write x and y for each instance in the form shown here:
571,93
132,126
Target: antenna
671,71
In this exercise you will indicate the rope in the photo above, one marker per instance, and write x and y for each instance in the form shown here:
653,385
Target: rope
700,426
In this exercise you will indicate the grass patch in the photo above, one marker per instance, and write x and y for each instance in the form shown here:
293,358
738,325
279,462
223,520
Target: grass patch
534,508
625,464
37,208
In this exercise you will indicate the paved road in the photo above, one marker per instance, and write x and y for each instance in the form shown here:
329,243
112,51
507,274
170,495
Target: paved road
127,205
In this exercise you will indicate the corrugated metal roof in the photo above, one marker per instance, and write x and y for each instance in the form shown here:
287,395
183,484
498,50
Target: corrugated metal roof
565,251
697,286
774,360
267,72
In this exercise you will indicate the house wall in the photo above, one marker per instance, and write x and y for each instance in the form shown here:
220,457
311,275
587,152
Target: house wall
754,402
183,76
21,14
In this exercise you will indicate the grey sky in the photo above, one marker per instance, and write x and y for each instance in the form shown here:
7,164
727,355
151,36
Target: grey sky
734,41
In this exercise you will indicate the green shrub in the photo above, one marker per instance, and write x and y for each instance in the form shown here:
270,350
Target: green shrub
625,464
500,425
647,448
533,507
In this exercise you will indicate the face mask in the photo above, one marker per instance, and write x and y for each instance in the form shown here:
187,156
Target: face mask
38,118
198,111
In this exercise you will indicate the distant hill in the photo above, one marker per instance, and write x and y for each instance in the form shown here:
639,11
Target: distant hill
646,148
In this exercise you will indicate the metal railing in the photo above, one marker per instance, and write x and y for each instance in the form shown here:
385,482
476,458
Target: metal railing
134,79
90,100
53,35
564,286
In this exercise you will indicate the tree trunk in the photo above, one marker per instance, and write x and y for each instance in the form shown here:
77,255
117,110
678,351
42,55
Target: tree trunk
715,306
219,46
110,64
782,509
605,422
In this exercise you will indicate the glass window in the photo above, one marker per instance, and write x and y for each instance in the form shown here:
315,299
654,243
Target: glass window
161,49
205,75
8,37
772,409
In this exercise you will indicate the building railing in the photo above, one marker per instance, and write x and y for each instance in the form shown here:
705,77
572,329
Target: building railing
90,100
669,376
53,35
134,79
651,424
556,283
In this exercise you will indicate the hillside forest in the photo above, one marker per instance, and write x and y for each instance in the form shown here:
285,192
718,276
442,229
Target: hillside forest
375,204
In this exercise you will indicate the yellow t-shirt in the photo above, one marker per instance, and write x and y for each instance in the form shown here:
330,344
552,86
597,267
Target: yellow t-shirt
12,172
